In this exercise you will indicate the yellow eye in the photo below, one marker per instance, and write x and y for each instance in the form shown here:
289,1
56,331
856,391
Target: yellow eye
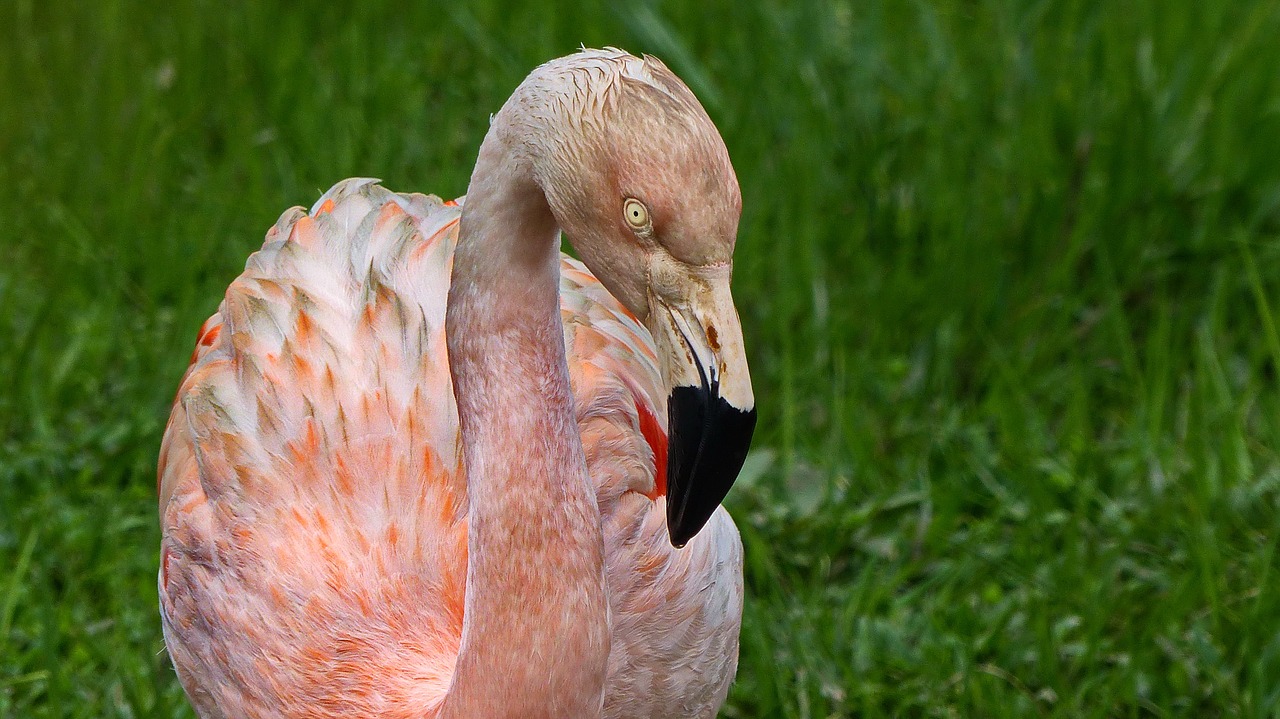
636,213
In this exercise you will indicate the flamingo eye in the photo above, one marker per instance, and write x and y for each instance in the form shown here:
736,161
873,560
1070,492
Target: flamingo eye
636,213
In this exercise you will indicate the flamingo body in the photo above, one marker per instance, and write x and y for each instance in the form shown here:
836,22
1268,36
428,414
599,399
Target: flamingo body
314,505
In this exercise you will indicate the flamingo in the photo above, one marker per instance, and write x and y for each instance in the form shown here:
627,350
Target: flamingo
422,464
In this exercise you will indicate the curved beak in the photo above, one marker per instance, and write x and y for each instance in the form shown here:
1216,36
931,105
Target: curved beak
711,409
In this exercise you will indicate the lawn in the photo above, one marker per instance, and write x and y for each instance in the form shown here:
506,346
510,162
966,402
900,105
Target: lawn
1008,272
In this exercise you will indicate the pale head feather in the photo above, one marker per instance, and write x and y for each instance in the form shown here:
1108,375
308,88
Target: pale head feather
601,126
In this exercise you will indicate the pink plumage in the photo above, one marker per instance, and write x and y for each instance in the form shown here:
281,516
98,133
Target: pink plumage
314,501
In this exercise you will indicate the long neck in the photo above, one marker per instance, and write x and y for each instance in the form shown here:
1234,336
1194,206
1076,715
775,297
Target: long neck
535,638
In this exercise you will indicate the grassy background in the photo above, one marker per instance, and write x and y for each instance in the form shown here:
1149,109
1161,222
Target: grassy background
1008,273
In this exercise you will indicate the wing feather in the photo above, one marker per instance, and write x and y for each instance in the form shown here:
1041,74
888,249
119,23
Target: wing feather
311,499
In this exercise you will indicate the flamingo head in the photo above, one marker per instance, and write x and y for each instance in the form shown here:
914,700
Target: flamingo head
640,181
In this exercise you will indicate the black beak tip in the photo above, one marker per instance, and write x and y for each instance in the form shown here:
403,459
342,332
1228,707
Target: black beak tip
679,540
709,439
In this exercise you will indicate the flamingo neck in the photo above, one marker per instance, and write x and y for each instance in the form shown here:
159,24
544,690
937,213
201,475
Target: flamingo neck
535,638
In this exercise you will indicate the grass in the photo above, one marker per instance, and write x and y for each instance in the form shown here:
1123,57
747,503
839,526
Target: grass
1008,273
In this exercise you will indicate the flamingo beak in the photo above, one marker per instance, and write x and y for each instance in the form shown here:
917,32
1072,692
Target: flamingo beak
710,410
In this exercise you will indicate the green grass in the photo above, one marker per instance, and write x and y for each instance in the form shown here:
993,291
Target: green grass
1008,274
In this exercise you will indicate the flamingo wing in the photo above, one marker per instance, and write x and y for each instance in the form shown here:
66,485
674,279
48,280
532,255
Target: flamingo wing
313,513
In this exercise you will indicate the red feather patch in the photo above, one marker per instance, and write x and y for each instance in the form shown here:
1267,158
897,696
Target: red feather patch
657,440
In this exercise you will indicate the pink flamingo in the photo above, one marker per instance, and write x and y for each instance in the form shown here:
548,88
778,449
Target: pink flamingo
418,466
